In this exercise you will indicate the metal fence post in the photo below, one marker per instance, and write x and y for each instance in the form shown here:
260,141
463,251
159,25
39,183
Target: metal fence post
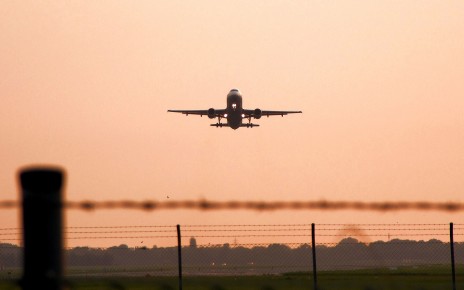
42,224
313,239
453,269
179,256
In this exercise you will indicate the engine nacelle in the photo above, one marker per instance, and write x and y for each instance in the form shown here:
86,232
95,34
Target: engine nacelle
211,113
257,114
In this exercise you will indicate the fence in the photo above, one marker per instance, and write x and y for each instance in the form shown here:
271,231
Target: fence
302,256
348,251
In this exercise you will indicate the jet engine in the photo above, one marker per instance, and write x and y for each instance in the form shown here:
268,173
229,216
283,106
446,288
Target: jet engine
211,113
257,113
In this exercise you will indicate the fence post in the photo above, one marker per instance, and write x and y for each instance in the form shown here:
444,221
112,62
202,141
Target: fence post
453,269
313,239
42,228
179,256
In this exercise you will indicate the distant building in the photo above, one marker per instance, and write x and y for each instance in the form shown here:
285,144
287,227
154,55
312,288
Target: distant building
193,242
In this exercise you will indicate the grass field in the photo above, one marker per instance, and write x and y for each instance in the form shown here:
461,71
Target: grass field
422,278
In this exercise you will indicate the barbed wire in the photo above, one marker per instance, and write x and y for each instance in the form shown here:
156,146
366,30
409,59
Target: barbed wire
10,229
235,245
323,229
190,233
118,232
256,205
256,236
175,237
249,225
279,227
8,204
395,224
119,237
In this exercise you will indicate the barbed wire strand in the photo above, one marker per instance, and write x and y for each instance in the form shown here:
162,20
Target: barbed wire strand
391,231
279,227
256,205
253,236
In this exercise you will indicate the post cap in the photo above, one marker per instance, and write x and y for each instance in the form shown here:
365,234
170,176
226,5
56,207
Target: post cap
42,179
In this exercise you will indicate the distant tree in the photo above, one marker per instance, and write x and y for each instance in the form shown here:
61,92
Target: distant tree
120,247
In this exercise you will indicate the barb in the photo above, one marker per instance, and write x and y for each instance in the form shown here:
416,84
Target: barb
206,205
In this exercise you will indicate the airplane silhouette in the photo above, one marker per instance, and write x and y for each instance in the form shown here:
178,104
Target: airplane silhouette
234,113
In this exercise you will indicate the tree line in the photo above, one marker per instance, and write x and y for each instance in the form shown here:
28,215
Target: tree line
349,253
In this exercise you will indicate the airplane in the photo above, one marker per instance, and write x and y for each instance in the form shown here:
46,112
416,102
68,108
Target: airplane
234,113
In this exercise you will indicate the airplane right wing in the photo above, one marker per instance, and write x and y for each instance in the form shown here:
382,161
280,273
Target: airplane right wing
257,113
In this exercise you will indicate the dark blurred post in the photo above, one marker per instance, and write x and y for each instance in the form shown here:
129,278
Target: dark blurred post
179,256
42,228
313,239
453,269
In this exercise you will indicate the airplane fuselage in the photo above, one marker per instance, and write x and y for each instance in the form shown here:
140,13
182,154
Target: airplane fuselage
234,109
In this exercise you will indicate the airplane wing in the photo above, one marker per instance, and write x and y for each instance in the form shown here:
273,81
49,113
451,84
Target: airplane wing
210,113
257,113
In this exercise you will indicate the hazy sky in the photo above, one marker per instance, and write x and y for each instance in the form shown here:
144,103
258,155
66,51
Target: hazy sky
86,85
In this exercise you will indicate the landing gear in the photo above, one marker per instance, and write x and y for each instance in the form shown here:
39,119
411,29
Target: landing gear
219,124
250,125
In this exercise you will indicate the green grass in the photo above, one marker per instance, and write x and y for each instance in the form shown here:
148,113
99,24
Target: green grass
404,278
335,281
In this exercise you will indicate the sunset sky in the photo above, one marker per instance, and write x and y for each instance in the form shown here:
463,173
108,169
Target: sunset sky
87,84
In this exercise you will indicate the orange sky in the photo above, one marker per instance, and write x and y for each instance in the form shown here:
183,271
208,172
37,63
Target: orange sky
86,85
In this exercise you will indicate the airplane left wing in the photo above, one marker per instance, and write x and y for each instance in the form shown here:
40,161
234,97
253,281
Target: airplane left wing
257,113
211,113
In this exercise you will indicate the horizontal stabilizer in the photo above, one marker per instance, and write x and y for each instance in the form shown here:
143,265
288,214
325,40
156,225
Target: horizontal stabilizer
220,125
249,125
